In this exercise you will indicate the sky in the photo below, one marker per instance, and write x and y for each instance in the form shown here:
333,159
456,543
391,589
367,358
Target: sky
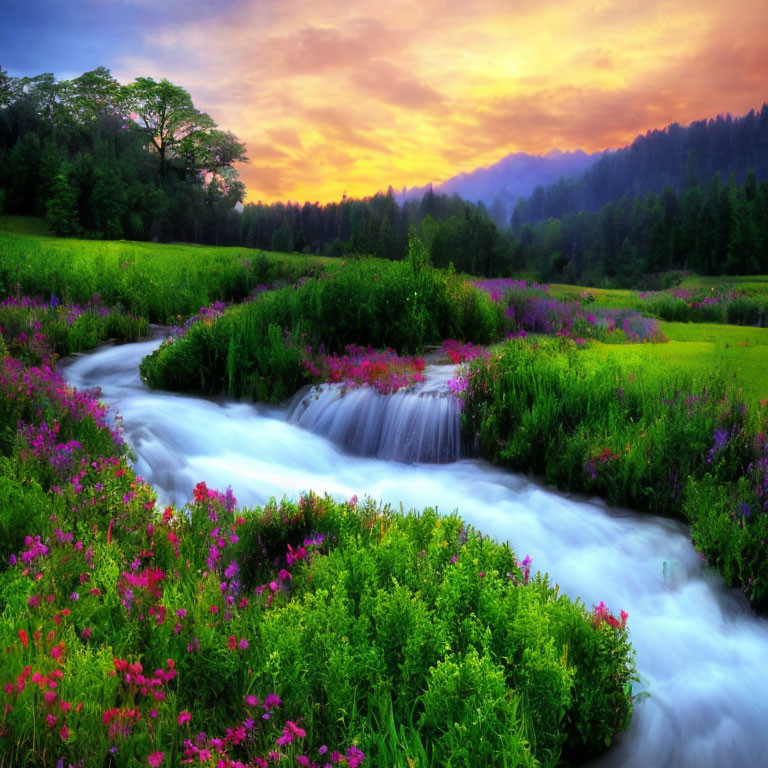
337,98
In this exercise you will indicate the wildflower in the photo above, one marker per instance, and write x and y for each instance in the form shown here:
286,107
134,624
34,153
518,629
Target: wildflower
155,759
184,717
745,509
243,644
24,637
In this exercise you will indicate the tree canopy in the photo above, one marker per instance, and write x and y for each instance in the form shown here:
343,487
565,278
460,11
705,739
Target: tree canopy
140,159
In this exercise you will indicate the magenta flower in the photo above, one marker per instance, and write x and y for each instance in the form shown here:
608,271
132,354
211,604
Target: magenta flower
155,759
184,717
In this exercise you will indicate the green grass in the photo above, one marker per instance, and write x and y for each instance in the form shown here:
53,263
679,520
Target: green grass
607,298
753,285
738,353
161,282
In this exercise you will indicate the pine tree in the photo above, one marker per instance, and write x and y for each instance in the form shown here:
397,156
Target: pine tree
61,210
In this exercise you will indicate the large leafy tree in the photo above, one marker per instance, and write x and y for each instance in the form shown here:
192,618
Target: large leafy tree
181,134
92,95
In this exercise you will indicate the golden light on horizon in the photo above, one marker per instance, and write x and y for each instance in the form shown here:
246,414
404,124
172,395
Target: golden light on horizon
333,99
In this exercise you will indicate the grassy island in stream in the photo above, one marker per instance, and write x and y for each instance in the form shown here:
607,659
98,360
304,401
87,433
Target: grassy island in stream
256,350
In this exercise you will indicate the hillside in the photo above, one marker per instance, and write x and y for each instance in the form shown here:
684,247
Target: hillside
678,156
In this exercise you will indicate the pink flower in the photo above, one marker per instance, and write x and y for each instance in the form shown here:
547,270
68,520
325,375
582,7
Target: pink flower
184,717
155,759
251,701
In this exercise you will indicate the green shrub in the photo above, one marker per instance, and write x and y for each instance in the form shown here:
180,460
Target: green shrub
255,349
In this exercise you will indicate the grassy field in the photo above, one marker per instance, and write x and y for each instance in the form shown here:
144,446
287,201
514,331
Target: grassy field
608,298
158,281
703,349
754,285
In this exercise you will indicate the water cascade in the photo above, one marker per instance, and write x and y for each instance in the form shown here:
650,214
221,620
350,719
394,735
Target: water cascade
419,425
702,656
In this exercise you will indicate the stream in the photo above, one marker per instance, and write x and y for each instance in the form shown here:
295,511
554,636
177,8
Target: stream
702,655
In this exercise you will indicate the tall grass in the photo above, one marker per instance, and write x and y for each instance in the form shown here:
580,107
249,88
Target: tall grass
255,349
162,283
649,438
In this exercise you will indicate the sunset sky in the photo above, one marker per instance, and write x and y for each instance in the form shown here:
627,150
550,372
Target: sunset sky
335,97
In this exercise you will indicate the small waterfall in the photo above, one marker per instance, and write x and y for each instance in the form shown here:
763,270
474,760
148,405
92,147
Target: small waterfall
414,426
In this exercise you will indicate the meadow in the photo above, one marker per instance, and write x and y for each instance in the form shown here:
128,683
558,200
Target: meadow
162,283
138,634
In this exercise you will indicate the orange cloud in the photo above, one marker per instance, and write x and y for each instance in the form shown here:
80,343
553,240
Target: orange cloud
335,98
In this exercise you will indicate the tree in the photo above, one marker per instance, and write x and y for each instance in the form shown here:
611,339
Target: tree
61,212
6,88
92,95
167,116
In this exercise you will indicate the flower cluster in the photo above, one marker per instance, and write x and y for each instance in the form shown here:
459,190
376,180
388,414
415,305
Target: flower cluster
457,352
38,330
603,615
499,288
596,461
205,315
384,370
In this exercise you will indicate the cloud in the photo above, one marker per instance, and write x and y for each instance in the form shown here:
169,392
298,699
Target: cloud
334,97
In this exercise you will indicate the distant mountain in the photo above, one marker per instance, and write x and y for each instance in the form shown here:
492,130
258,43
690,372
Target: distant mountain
499,186
678,157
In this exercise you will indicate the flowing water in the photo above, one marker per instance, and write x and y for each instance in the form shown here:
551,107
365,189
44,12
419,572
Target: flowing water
701,654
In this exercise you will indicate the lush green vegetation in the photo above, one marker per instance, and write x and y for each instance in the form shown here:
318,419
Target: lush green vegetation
134,635
104,160
100,159
38,331
677,157
737,354
162,283
256,350
656,436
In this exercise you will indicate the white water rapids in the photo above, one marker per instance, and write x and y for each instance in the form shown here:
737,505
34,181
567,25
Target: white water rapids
701,654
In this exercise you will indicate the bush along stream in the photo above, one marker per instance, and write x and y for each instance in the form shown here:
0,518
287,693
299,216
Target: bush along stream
313,633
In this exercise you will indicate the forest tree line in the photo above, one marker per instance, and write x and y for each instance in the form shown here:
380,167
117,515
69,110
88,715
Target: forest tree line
139,161
677,157
100,159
